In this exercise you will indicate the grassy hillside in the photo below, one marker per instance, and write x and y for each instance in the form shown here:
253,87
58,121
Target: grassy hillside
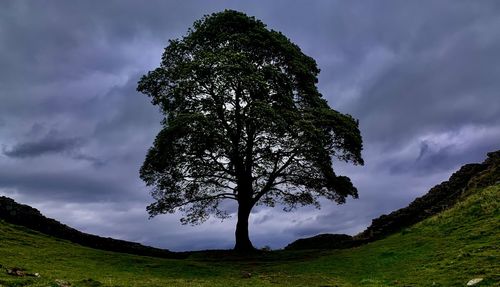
27,216
448,249
439,198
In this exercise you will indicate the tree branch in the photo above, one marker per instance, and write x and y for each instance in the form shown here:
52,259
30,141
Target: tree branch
272,177
206,198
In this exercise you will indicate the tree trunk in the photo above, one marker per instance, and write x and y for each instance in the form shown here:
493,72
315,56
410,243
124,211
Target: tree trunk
243,242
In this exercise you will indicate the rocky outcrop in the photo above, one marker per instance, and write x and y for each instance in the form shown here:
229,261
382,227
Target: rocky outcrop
439,198
323,241
24,215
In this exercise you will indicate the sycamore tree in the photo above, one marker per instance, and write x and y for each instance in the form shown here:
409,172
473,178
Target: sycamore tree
244,121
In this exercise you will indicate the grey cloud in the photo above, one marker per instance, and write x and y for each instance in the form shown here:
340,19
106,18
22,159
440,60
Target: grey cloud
47,145
440,87
62,39
96,162
445,153
65,186
52,143
124,109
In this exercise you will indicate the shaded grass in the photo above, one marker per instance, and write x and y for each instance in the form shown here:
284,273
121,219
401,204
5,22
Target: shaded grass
445,250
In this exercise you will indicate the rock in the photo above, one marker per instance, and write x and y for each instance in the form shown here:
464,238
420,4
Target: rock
16,272
323,241
89,283
474,281
245,274
62,283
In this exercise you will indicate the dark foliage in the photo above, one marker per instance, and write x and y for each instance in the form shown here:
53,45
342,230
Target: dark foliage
244,121
439,198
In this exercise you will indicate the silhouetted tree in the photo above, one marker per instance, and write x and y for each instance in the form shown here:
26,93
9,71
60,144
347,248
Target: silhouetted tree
244,121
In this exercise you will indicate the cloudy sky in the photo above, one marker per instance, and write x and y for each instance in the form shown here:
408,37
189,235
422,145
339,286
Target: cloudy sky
423,78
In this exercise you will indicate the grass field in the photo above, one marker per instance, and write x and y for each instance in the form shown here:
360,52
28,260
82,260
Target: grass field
445,250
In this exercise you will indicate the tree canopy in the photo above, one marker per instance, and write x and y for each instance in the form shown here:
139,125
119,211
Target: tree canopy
244,121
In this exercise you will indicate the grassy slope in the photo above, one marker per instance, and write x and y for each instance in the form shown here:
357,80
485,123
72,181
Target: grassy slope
445,250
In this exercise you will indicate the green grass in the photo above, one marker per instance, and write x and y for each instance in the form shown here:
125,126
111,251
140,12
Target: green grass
445,250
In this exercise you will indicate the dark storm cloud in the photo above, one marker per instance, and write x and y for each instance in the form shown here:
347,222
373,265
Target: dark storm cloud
422,77
409,68
46,145
64,186
81,37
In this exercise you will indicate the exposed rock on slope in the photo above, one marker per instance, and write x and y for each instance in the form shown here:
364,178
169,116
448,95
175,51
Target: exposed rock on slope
439,198
30,217
323,241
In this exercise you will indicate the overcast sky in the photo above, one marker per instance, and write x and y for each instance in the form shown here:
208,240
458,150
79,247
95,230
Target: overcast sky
423,78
